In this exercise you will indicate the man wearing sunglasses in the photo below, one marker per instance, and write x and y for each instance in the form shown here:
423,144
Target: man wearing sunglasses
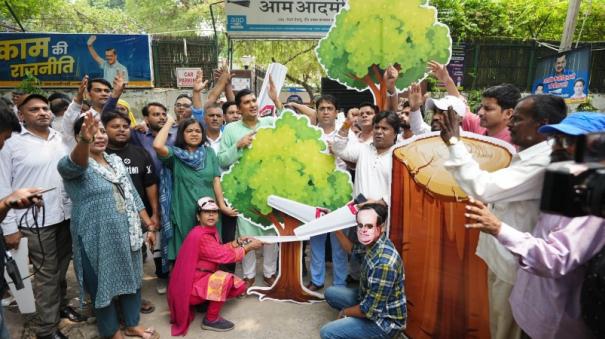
377,309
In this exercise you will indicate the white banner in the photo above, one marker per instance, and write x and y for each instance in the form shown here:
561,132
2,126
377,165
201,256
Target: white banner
284,18
185,76
278,72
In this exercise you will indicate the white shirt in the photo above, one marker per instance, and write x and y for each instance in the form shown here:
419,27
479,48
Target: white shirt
514,193
373,170
215,145
69,120
417,124
329,139
26,161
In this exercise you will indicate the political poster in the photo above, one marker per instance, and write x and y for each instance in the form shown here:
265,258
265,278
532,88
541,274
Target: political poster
456,66
284,18
61,59
566,75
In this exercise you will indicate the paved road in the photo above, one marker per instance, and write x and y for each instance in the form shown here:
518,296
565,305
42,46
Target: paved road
252,318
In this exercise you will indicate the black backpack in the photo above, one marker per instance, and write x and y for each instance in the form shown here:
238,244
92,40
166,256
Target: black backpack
592,298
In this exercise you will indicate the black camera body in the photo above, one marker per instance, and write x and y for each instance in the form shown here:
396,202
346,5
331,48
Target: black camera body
577,188
13,271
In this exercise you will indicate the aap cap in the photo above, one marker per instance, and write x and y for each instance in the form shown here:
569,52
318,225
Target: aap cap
577,124
449,100
207,204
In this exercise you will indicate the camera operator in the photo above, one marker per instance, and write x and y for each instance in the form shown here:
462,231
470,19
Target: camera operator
545,299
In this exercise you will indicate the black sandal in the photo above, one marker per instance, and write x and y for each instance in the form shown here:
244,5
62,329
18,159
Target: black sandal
147,306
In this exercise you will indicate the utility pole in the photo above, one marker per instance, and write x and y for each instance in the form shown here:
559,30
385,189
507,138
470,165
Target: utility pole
570,25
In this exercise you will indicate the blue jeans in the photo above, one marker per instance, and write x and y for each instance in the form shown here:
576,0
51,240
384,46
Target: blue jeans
3,328
342,297
108,322
340,268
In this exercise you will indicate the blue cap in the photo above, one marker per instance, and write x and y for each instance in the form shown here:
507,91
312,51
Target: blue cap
577,124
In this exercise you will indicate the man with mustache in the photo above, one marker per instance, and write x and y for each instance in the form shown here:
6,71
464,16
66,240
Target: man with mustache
29,159
514,193
545,300
99,91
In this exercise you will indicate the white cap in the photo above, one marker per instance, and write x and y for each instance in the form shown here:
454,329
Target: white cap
207,204
449,100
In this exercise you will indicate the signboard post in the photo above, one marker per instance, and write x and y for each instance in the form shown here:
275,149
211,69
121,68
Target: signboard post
285,18
62,60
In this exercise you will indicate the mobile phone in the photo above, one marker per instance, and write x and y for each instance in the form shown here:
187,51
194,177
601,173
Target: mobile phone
43,191
14,203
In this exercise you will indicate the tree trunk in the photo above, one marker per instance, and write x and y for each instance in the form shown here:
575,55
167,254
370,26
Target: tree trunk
288,286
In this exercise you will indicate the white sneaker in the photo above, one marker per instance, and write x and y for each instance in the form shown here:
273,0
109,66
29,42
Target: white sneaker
161,285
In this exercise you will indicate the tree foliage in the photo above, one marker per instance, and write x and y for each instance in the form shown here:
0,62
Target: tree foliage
298,56
67,16
173,16
371,35
288,161
520,19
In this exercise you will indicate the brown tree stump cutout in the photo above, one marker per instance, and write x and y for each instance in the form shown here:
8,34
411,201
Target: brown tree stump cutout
288,284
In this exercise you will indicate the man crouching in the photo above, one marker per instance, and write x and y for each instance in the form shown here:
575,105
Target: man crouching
377,308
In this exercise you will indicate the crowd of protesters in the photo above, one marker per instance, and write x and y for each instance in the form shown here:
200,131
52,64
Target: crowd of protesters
122,188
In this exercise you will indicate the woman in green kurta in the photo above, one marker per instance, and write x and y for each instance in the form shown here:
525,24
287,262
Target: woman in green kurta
194,173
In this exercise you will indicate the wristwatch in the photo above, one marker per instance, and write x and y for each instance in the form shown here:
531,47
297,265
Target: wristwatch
452,141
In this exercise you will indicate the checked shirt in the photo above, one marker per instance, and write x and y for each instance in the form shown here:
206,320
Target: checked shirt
381,291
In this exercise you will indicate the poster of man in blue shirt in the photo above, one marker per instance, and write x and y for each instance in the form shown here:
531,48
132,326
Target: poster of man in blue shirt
110,64
565,75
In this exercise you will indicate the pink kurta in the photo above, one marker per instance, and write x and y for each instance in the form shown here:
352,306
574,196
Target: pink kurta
472,123
209,283
195,275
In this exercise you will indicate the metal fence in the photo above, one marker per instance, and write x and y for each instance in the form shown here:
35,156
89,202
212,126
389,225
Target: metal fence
488,63
170,53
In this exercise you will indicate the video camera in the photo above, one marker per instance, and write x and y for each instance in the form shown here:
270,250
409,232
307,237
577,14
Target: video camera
577,188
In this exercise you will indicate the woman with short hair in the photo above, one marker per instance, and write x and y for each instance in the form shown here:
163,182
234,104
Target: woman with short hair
191,172
106,230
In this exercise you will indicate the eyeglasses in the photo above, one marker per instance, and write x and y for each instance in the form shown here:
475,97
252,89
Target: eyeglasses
368,226
182,105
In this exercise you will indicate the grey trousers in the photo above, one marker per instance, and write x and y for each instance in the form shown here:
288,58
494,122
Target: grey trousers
50,253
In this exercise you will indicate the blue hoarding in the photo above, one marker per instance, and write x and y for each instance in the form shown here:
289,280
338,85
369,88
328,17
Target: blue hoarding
566,75
61,59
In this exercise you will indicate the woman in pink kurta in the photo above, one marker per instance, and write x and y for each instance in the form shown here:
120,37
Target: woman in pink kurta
196,278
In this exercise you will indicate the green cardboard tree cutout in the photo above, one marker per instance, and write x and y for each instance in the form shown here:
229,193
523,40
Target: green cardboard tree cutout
368,36
289,161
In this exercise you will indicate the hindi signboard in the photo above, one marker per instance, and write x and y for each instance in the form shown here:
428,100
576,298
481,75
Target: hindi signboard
285,18
61,59
566,75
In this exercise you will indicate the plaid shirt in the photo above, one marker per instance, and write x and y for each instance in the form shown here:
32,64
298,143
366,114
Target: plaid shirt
381,288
